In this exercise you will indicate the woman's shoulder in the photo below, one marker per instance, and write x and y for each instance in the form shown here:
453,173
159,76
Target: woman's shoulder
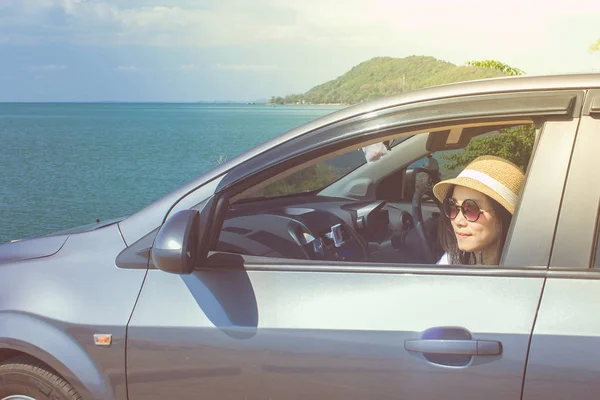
444,259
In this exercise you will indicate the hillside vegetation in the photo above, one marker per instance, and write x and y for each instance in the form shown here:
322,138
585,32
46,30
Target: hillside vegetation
383,76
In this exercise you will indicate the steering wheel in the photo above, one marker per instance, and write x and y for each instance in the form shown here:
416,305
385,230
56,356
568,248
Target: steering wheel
417,212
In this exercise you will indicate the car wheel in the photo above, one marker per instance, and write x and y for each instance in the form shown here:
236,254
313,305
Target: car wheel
24,378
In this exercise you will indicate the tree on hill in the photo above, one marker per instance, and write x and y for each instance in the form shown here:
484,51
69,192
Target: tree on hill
497,65
384,76
513,144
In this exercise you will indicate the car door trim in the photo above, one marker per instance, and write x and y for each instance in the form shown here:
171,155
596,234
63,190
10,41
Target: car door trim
591,106
229,261
576,232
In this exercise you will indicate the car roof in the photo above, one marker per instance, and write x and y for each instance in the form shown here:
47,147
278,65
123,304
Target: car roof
482,86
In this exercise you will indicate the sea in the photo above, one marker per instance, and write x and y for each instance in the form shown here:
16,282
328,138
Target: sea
68,164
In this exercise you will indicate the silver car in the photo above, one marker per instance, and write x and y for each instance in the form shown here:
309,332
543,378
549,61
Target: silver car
300,270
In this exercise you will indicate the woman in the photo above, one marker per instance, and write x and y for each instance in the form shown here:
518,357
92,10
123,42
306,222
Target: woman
479,204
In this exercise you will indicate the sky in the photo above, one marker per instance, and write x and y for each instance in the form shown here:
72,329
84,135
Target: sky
245,50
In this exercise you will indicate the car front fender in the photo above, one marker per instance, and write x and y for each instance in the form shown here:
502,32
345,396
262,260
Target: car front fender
44,341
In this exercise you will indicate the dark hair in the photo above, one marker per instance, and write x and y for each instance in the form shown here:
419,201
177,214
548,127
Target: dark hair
447,237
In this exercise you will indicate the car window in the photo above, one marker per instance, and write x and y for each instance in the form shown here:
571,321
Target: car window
283,219
312,177
317,176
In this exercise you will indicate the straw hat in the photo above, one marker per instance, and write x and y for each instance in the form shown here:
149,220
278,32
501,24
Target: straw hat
493,176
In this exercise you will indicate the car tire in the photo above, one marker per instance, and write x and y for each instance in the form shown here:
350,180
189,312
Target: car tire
27,377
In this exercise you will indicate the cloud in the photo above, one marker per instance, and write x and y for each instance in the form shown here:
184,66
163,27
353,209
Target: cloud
50,67
188,67
388,25
127,68
246,67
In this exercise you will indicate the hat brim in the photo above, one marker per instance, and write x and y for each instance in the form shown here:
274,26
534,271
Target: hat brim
441,189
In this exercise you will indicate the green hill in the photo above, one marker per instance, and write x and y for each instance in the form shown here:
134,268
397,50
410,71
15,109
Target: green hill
383,76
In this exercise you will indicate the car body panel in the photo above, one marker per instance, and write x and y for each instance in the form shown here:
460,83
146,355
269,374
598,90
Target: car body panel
50,343
565,347
53,307
576,233
31,248
232,333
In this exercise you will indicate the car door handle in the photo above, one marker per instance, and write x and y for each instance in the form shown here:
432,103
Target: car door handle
461,347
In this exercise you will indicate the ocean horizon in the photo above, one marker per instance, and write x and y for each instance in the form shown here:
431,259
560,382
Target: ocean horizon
65,164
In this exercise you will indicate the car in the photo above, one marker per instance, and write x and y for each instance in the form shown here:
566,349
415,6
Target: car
303,268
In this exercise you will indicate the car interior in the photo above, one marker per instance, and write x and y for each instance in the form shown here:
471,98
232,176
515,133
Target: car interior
342,207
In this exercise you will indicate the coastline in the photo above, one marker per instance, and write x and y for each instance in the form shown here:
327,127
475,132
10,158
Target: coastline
307,104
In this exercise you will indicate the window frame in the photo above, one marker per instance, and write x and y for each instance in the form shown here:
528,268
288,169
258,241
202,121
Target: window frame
578,226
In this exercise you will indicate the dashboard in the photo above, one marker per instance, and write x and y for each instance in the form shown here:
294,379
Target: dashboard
323,228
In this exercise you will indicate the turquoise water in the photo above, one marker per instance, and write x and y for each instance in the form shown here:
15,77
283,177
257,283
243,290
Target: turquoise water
64,165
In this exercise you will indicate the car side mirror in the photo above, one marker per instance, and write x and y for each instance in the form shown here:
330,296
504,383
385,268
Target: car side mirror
175,248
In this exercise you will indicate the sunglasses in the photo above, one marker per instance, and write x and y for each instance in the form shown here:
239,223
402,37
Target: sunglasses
469,209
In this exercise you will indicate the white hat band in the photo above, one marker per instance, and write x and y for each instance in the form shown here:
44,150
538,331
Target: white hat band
493,184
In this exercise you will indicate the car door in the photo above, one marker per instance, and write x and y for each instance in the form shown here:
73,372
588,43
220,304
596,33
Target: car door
565,347
262,328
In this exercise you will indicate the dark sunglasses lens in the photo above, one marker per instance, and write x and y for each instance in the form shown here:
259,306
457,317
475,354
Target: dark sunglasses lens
450,209
470,210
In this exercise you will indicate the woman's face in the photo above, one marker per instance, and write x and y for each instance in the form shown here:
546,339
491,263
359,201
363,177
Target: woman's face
481,234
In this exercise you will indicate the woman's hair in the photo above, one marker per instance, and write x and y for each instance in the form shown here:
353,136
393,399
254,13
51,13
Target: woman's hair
447,236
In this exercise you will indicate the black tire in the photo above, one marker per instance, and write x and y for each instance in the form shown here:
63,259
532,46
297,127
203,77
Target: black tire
24,375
